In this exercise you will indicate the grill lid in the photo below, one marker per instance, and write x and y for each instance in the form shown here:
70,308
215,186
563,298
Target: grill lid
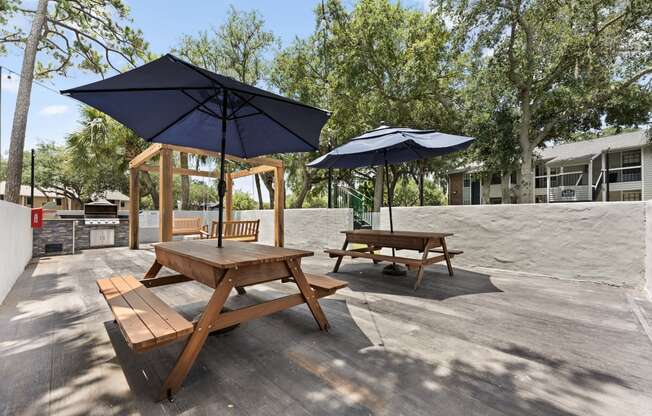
100,209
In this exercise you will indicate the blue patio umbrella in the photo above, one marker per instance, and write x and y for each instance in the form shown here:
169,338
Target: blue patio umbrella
387,145
171,101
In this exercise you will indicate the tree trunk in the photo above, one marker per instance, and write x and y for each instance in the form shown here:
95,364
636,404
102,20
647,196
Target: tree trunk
268,181
17,141
259,192
525,186
421,178
305,188
504,188
486,189
378,189
150,186
185,182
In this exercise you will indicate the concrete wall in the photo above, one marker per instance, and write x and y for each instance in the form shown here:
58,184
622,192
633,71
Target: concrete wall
603,242
648,247
312,229
15,244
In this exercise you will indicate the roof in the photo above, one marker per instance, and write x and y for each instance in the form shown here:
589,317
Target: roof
588,149
577,152
112,196
25,190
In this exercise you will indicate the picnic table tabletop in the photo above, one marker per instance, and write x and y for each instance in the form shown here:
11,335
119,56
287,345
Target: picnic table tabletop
416,234
233,253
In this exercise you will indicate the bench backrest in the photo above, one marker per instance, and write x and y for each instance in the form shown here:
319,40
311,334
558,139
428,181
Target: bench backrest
186,225
237,230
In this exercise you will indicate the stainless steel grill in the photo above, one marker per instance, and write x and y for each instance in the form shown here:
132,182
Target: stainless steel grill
101,212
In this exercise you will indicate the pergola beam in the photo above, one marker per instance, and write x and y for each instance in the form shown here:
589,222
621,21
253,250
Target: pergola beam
252,171
181,171
145,155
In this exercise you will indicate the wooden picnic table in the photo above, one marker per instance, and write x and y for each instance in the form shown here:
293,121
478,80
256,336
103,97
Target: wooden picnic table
147,322
425,242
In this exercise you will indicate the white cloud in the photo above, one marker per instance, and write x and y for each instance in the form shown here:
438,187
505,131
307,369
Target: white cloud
52,110
9,84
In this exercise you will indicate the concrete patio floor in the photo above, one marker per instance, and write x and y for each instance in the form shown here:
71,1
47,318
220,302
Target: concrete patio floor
484,342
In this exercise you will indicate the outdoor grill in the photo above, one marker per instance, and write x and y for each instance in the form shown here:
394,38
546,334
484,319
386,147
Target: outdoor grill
101,212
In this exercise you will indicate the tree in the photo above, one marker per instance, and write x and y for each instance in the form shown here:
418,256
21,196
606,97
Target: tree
243,201
88,34
562,66
102,149
379,62
237,49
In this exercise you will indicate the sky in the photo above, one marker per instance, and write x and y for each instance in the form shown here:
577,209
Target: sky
163,23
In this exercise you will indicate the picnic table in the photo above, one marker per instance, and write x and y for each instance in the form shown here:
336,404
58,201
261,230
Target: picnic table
147,322
428,243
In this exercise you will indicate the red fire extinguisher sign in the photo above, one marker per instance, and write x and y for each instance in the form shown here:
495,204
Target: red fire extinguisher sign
37,217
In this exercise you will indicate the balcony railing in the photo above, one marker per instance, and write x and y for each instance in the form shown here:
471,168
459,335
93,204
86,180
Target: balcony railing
570,193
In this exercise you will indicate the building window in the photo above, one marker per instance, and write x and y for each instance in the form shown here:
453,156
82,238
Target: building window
29,200
632,158
2,197
59,201
495,201
631,195
122,204
495,179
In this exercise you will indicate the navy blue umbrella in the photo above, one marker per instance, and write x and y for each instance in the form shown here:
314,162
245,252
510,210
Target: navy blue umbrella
171,101
390,145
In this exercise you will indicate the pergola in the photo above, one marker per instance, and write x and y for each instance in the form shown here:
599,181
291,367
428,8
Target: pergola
166,169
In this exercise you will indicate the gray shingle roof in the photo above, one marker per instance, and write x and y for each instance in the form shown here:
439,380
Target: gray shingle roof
586,148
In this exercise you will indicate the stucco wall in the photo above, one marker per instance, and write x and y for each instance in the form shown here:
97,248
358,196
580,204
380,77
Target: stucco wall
648,247
313,228
591,241
15,244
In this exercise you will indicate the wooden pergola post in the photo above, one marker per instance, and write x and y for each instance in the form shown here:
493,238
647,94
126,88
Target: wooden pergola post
165,205
228,203
279,206
134,207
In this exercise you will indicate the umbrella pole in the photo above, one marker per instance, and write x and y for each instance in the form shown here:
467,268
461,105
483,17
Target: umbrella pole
221,189
393,269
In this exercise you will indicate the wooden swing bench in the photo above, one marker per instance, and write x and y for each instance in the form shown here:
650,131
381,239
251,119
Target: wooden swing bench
189,226
238,230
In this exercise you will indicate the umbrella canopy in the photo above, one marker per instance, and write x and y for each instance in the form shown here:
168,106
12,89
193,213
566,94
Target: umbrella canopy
171,101
391,145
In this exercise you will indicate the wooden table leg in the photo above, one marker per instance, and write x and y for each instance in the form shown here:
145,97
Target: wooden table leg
308,294
373,248
339,259
153,270
447,256
197,338
426,251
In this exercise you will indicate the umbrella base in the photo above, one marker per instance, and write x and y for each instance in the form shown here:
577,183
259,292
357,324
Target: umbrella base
394,270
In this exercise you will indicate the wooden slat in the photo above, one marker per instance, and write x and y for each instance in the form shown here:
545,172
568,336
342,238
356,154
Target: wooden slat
165,280
180,171
260,160
381,257
135,332
144,319
325,282
180,324
160,329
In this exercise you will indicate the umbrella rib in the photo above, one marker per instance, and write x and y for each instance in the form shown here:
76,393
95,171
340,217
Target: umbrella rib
244,102
237,127
139,89
268,95
207,110
280,124
184,115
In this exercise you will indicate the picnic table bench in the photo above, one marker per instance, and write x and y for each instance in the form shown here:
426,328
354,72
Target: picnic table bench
426,243
147,322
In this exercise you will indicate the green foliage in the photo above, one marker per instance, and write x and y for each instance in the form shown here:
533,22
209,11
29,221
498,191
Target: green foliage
237,48
243,201
406,194
93,35
378,62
